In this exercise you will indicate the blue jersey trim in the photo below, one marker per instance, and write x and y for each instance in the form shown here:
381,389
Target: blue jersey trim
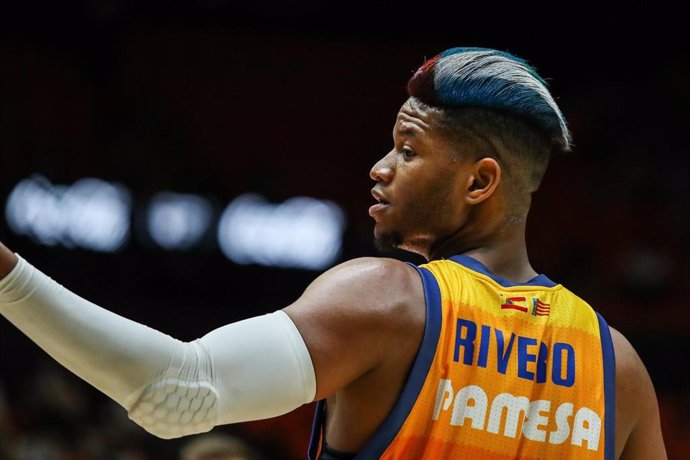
477,266
316,430
609,359
384,436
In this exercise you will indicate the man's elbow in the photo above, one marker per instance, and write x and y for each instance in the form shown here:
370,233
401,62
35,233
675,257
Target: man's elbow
171,408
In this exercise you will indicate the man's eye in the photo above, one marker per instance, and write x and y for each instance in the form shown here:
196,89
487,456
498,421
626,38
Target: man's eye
407,153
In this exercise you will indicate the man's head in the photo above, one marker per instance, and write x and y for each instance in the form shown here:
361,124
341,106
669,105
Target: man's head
481,125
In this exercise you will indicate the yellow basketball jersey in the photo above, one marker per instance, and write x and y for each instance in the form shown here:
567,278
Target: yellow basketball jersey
504,371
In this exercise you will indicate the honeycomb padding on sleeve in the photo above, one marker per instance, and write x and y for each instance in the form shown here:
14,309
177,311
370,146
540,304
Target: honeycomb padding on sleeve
171,408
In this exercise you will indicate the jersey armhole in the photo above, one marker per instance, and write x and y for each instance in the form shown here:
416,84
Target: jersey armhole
609,359
387,432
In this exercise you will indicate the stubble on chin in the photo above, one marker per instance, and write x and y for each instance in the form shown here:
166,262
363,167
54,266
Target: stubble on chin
387,242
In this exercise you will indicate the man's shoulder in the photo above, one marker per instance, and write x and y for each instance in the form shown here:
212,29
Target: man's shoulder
386,264
358,315
379,272
370,282
368,291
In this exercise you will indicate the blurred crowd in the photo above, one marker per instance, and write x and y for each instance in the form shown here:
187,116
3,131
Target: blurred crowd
53,415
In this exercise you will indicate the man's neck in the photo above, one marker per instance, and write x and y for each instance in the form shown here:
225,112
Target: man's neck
503,252
512,264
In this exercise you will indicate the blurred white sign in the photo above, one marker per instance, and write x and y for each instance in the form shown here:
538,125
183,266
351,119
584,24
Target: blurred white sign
96,215
301,232
177,221
91,214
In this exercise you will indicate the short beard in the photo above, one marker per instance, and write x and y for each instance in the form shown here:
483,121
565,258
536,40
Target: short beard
387,242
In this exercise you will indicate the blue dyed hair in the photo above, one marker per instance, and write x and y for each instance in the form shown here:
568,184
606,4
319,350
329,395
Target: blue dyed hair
493,80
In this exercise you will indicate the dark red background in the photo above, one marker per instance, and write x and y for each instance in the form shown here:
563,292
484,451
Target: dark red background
221,99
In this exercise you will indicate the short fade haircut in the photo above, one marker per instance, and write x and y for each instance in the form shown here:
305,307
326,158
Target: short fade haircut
499,102
494,80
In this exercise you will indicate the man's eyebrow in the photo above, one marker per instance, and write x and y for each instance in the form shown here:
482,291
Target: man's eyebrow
406,131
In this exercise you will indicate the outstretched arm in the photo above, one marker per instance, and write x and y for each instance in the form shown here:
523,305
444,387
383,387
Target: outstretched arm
257,368
347,323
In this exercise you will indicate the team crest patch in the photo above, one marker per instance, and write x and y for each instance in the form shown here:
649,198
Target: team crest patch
531,305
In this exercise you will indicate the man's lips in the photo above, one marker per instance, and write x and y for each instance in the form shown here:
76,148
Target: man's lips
381,205
378,196
377,208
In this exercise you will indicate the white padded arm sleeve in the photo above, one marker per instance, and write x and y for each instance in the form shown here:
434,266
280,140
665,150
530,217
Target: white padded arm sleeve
252,369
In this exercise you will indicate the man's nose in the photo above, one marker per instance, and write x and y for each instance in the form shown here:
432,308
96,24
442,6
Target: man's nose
384,169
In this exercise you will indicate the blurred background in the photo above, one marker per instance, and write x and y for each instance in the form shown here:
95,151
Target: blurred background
189,164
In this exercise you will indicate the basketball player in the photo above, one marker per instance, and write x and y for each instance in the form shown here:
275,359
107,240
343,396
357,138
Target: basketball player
472,355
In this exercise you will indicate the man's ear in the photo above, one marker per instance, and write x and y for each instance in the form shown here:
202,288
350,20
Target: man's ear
482,182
